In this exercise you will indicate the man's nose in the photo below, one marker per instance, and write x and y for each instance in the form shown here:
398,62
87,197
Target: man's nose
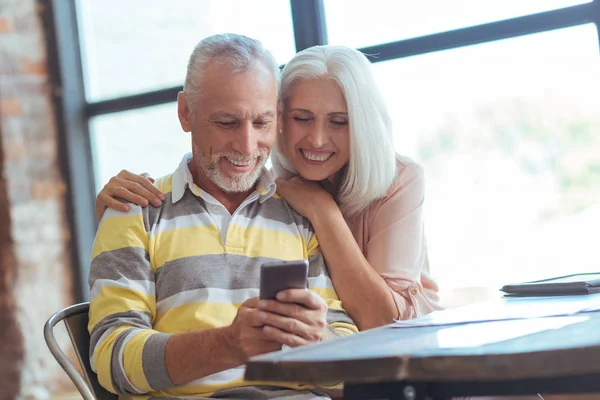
245,141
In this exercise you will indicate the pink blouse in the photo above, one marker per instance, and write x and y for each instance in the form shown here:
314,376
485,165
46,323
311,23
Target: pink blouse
390,234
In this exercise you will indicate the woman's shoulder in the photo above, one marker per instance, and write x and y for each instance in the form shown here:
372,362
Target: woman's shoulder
409,182
409,173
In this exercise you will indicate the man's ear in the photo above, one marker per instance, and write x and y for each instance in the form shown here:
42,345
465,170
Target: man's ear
183,112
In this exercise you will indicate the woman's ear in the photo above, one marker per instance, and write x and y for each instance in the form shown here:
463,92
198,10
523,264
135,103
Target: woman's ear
279,121
183,112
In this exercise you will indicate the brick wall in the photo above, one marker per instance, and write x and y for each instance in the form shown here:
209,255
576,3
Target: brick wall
34,236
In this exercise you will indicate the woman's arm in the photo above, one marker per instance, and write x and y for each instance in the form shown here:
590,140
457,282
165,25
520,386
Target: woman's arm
364,293
389,282
136,189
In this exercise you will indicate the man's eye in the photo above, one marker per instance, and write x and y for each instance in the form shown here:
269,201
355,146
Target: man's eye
226,124
260,123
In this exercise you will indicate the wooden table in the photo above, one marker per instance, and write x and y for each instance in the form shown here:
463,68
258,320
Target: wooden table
439,362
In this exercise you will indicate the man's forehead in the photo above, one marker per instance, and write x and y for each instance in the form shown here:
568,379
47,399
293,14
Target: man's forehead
242,114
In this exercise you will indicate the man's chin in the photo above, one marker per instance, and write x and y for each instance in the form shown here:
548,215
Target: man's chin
237,183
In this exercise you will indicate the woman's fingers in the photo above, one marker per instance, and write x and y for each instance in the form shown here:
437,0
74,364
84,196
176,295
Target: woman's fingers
147,176
142,191
152,193
129,193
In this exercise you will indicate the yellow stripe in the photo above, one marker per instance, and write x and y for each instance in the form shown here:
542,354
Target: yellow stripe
262,242
165,184
103,355
185,242
207,390
345,326
132,360
196,316
113,299
119,232
330,298
313,246
204,240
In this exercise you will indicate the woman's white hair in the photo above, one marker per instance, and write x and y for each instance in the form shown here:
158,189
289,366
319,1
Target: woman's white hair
371,168
241,52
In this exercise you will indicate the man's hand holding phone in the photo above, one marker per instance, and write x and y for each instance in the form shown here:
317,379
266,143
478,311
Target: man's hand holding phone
246,333
297,317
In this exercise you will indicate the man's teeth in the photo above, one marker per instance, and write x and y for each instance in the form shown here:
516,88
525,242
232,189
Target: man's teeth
316,157
240,163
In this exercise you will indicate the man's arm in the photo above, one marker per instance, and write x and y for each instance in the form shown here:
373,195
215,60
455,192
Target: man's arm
220,348
130,357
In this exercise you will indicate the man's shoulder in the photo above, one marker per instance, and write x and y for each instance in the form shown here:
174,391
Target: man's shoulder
277,208
165,183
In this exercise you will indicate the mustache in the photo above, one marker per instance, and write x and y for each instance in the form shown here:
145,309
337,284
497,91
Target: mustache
240,158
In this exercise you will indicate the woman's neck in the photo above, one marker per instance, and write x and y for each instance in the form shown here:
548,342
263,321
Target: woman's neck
333,182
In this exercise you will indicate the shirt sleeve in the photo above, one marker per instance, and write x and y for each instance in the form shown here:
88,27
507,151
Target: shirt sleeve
319,282
125,352
396,246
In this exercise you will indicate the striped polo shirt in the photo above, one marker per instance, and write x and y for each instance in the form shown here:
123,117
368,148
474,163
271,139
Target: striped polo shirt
187,266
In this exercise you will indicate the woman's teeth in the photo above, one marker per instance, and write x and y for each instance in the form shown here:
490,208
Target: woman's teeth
316,157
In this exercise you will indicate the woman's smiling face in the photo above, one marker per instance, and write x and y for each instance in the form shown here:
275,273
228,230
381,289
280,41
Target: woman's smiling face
316,133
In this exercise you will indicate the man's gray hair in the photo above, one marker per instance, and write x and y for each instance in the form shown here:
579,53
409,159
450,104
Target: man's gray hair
238,51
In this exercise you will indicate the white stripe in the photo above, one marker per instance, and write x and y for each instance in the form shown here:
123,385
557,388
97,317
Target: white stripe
343,331
102,339
320,282
222,377
133,332
208,295
144,287
266,223
185,221
133,210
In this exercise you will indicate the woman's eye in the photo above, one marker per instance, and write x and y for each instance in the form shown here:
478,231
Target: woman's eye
339,123
300,119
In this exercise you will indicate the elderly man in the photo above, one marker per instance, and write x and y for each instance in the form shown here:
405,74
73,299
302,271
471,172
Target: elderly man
174,311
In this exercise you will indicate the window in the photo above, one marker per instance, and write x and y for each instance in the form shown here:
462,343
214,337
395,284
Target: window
141,45
145,140
359,23
507,133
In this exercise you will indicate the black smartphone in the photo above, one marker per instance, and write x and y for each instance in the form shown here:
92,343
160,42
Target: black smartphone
281,275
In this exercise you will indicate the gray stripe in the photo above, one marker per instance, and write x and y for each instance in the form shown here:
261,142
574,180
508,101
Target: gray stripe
268,393
118,376
136,319
277,210
153,362
273,209
316,266
132,263
338,316
188,205
222,271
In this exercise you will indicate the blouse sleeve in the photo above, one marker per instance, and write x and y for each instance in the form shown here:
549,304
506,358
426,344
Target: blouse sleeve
396,245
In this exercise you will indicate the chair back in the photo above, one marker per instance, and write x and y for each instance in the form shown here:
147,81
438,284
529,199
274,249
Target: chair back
76,320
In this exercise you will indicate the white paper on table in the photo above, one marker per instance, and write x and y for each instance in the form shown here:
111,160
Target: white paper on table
507,309
498,331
